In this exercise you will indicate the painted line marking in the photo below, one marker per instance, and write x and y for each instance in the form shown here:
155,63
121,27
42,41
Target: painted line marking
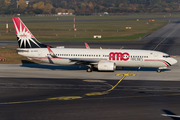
97,93
116,84
164,39
73,97
79,97
65,98
100,81
140,96
119,81
122,47
125,74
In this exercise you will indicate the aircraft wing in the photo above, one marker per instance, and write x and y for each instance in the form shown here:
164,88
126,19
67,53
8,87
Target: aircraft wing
170,114
177,116
83,61
78,60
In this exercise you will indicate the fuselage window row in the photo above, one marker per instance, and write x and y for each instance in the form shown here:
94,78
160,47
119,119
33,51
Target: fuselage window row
77,55
86,55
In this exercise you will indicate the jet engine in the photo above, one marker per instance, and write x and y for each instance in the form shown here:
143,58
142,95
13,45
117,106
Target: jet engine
106,66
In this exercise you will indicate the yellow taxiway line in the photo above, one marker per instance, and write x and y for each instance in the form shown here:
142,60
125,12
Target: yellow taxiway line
76,97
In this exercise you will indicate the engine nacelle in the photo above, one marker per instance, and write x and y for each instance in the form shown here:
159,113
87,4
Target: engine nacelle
106,66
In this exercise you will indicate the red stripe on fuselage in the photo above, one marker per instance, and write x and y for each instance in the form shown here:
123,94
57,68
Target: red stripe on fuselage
63,58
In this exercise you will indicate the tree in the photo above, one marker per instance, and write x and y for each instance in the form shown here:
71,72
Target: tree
7,2
97,8
71,11
47,8
35,6
38,11
168,9
58,10
83,6
22,4
91,5
63,4
41,5
88,6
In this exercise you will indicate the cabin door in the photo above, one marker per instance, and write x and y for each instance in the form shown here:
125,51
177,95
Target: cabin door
156,56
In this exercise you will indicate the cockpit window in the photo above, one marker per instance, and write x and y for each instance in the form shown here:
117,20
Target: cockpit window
166,56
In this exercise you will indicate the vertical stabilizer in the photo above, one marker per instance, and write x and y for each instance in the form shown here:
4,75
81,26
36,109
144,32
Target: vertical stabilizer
87,46
24,36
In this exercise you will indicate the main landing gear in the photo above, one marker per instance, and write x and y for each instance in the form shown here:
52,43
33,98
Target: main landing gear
89,69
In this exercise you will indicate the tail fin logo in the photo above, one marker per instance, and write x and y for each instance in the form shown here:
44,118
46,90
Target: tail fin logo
24,36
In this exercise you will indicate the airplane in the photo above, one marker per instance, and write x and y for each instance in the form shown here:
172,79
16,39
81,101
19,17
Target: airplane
94,59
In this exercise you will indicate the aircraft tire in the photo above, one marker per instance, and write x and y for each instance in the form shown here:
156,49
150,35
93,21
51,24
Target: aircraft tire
89,69
159,70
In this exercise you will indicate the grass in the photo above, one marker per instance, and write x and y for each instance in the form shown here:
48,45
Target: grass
10,56
124,16
109,30
63,31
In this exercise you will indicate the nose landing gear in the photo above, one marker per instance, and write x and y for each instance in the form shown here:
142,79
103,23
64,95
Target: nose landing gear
159,70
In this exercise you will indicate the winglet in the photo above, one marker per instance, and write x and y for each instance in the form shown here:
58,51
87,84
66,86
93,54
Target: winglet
87,46
176,116
51,52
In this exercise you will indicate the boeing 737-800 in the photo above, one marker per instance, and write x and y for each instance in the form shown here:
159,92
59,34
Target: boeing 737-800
101,59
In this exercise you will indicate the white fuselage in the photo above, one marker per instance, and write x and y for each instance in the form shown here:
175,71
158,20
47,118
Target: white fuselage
121,57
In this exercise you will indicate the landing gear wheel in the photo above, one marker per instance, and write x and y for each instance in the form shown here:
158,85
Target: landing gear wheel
159,70
89,70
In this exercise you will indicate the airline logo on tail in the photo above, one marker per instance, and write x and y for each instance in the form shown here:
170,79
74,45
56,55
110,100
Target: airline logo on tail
24,36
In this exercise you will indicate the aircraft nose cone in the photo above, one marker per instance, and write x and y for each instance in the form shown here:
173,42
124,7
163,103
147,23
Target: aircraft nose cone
173,61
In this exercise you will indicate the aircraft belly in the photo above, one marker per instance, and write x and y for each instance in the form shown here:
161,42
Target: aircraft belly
141,64
55,61
128,64
62,61
154,64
